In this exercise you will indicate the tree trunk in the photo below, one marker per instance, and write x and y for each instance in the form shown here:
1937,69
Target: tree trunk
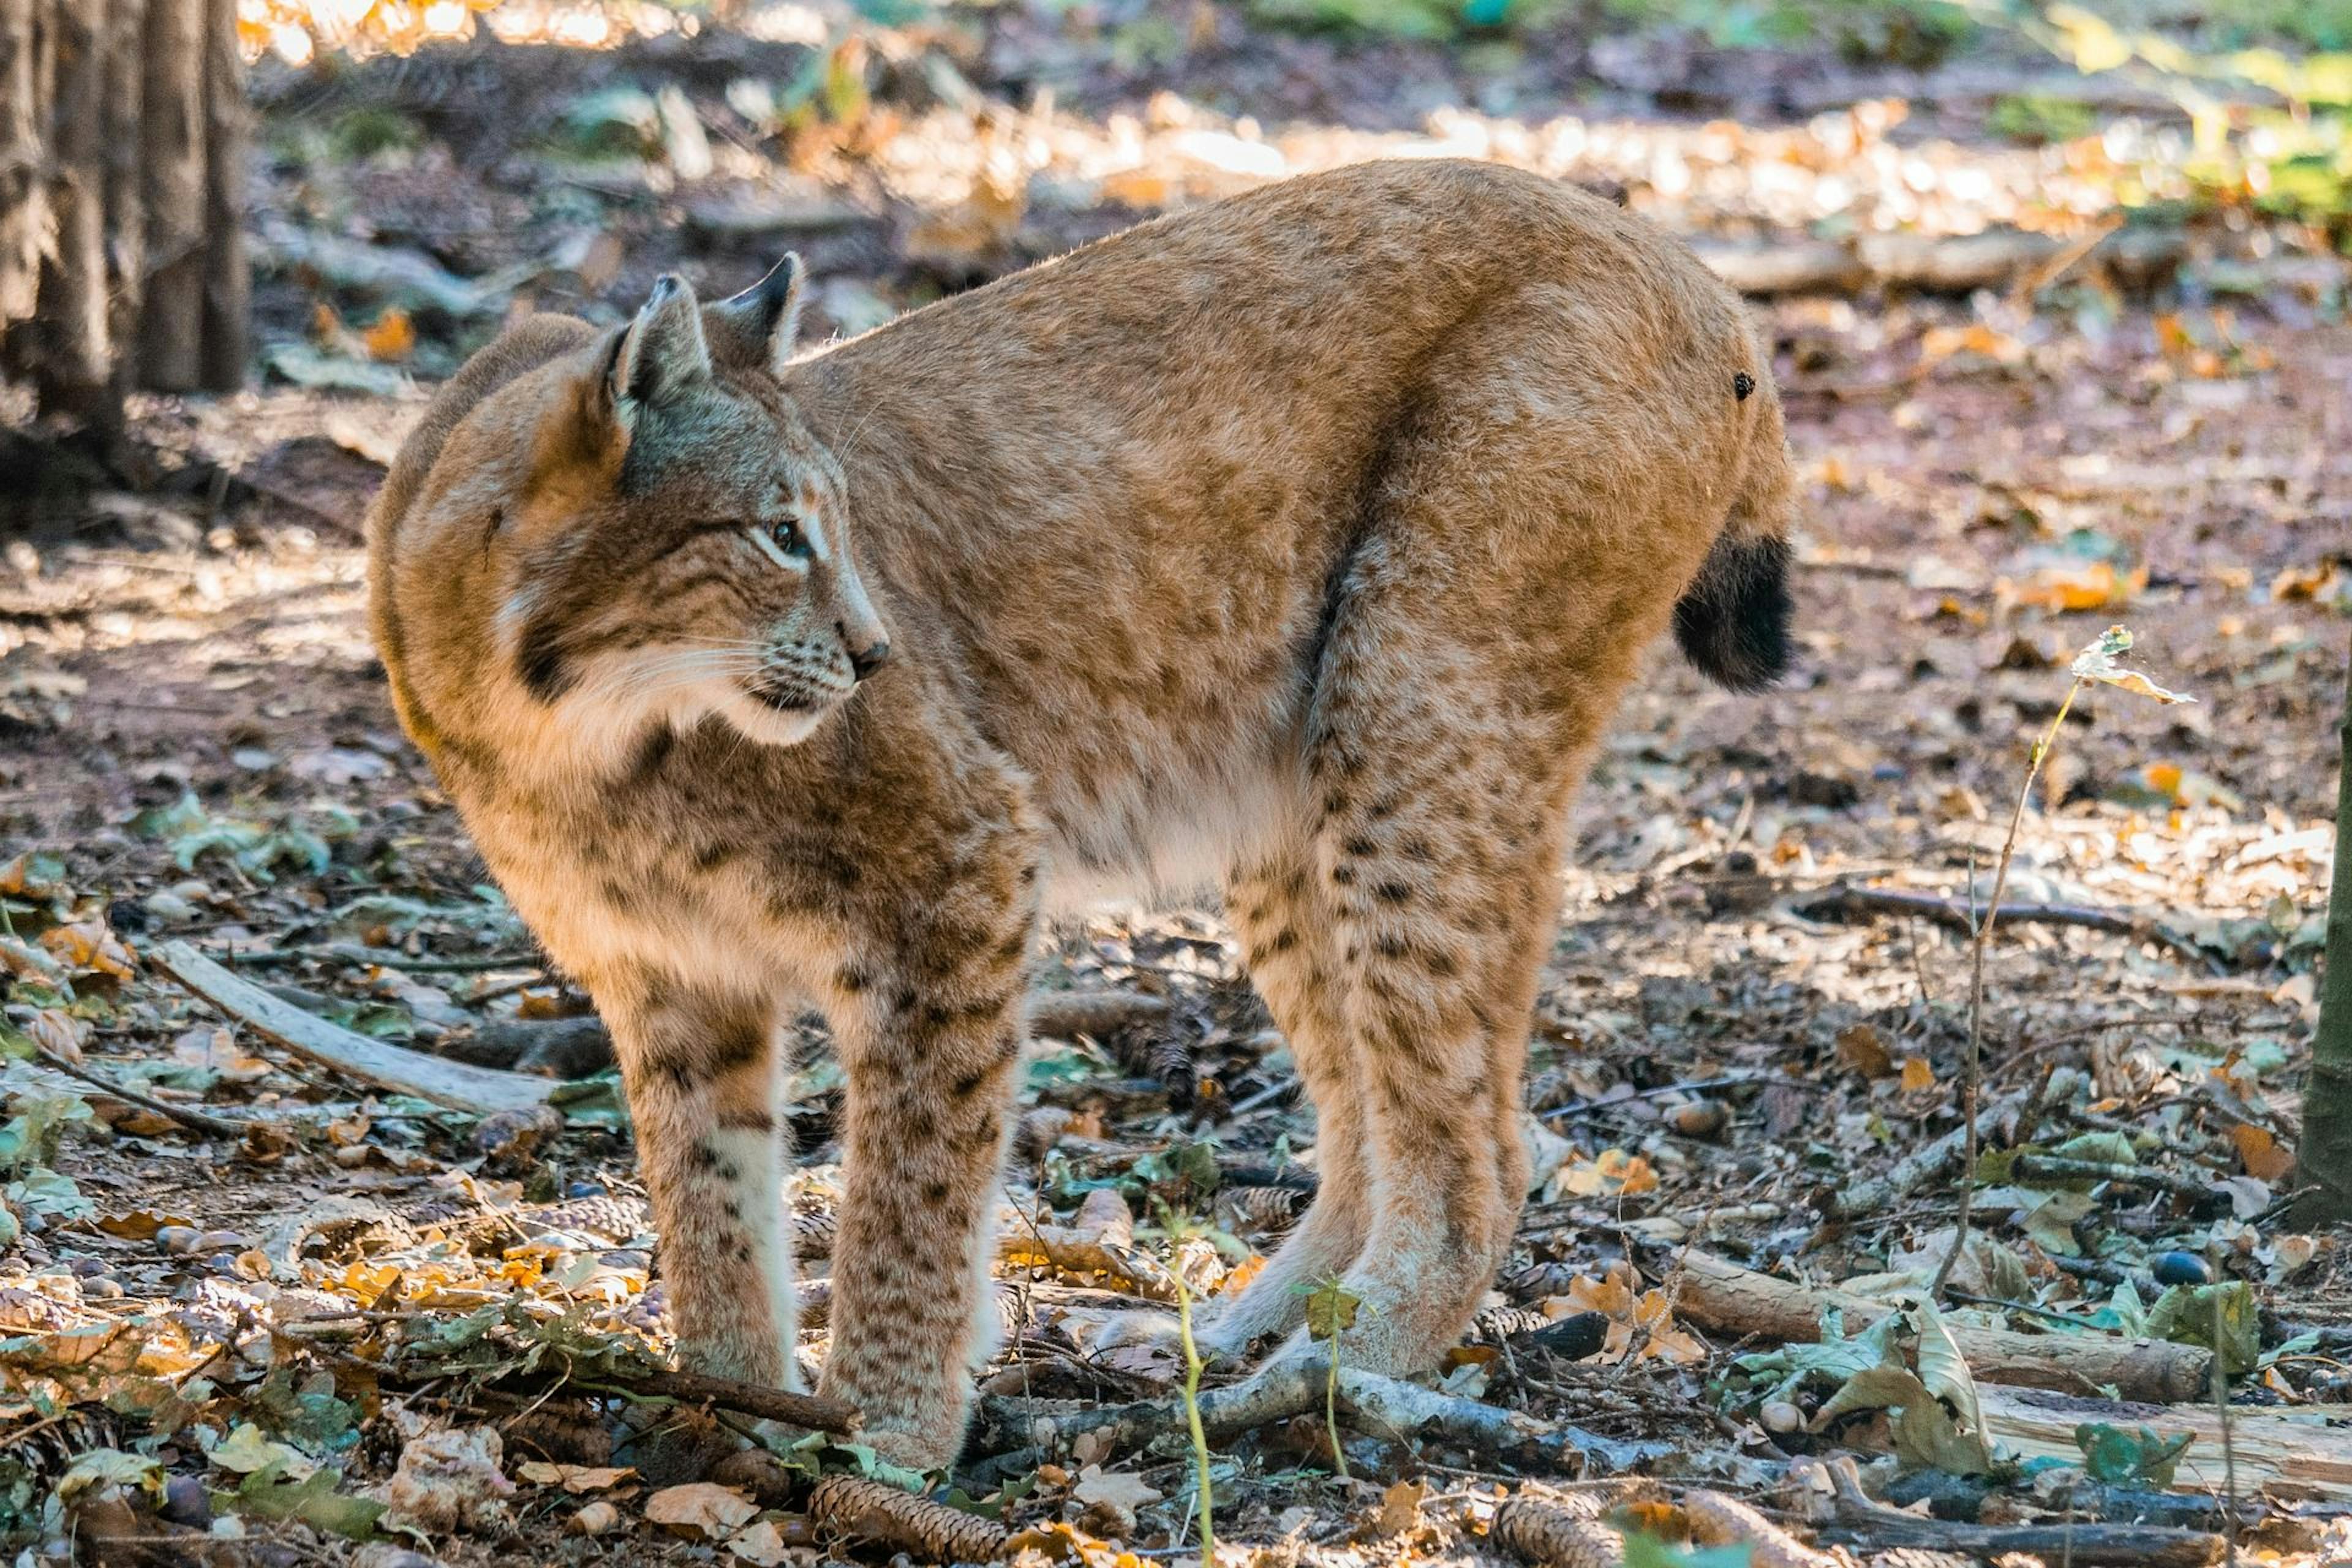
24,208
126,207
2324,1160
171,155
225,345
73,346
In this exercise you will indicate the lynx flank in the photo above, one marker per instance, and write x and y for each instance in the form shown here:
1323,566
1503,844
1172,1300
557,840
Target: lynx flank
1300,546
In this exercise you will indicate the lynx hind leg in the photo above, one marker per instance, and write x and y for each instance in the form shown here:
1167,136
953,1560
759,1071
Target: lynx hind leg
1284,920
701,1068
1442,767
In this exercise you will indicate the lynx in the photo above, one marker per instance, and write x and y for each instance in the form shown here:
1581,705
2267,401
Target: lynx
1298,546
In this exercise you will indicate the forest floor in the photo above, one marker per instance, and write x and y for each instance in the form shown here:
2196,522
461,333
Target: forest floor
1752,1026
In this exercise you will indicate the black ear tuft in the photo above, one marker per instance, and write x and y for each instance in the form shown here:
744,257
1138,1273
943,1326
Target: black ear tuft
1733,621
760,326
1742,384
663,352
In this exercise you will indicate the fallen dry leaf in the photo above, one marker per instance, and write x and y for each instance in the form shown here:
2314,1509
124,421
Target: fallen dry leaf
701,1508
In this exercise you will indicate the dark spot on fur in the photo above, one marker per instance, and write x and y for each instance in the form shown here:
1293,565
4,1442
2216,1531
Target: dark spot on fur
853,979
1361,847
1283,941
713,854
1742,384
1392,892
936,1193
1343,875
1392,947
652,753
539,661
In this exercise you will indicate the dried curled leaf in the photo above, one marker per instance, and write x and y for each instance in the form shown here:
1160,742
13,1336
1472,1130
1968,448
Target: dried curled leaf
2097,662
932,1530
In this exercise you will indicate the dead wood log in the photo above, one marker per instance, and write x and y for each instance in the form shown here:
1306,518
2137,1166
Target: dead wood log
1954,264
171,174
934,1533
479,1091
1814,268
1719,1295
2289,1454
1065,1015
226,344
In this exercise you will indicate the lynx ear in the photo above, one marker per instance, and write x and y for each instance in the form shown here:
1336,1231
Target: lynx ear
663,352
760,326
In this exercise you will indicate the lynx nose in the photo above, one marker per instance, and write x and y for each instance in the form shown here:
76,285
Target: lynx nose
865,661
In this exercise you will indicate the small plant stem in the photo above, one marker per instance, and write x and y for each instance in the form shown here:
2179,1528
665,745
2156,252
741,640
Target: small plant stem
1331,1409
1193,1416
1971,1069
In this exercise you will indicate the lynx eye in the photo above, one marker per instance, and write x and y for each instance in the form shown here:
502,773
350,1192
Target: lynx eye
787,535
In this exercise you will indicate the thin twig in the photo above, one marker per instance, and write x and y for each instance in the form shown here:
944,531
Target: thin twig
185,1116
1972,1064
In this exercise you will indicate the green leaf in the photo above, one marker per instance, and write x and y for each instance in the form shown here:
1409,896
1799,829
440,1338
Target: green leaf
1643,1550
271,1493
248,1451
1332,1308
2184,1314
112,1466
2108,1148
2097,662
2138,1458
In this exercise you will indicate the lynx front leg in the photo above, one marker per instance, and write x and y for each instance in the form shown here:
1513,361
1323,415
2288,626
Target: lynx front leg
929,1042
701,1068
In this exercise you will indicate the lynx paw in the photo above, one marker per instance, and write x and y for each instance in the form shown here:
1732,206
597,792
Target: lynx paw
1151,1344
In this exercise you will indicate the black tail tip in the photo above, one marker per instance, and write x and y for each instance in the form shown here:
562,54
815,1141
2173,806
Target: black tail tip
1733,622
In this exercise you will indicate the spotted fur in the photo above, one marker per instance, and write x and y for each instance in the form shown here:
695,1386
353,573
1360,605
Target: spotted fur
1302,543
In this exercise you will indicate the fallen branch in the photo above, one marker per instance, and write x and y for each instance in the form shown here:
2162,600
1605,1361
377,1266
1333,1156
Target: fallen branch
383,958
1845,898
1860,1521
186,1116
1383,1406
478,1090
2056,1167
1719,1295
809,1410
1859,1200
853,1504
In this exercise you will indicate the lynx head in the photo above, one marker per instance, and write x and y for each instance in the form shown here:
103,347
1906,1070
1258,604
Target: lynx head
661,540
